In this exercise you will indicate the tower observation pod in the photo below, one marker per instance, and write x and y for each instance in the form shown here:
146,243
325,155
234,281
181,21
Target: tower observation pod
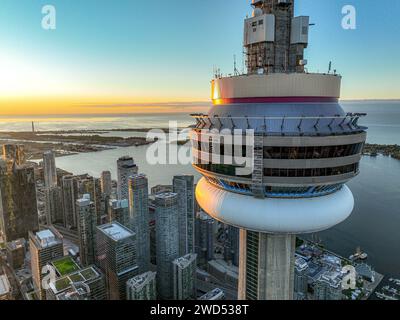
276,151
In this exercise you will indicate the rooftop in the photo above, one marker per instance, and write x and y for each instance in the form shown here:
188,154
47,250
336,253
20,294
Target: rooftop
119,204
47,238
65,266
140,280
66,282
116,231
16,244
185,261
212,294
83,202
166,195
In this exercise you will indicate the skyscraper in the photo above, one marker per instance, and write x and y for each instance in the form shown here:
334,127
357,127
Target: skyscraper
139,218
116,257
49,169
231,245
106,183
142,287
167,241
184,187
184,277
328,287
16,253
54,205
300,279
300,150
45,246
126,167
14,153
118,210
204,238
92,186
18,207
70,195
87,221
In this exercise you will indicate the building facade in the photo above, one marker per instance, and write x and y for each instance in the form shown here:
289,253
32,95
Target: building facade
204,235
49,169
301,279
16,253
184,277
183,186
45,246
139,218
116,257
54,205
106,183
126,167
142,287
167,242
118,210
18,206
70,191
87,222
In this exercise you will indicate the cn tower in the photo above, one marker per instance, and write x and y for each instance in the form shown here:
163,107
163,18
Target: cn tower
304,150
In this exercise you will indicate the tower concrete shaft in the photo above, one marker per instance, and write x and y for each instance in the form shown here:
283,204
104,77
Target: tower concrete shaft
266,266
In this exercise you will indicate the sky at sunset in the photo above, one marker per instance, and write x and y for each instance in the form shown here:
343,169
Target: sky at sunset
120,56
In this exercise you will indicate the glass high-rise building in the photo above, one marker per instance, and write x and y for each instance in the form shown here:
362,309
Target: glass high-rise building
18,208
142,287
204,235
87,222
54,205
45,246
70,192
126,167
106,183
139,218
184,277
118,210
49,169
167,241
116,257
183,186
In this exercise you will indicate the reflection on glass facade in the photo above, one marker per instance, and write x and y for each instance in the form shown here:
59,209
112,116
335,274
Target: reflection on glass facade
290,153
315,172
297,153
230,170
277,191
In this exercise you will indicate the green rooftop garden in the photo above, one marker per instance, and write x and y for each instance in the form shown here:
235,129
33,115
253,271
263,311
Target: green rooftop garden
62,284
76,278
65,266
89,274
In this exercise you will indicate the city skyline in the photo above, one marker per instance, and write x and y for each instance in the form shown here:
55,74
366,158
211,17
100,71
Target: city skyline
104,61
260,185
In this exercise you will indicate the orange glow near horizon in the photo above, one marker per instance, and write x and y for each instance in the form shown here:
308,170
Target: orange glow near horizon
38,106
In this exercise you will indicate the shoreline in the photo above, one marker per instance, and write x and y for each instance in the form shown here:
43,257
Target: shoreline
72,142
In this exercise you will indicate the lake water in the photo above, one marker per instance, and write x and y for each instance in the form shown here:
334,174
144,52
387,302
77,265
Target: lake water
383,121
374,225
